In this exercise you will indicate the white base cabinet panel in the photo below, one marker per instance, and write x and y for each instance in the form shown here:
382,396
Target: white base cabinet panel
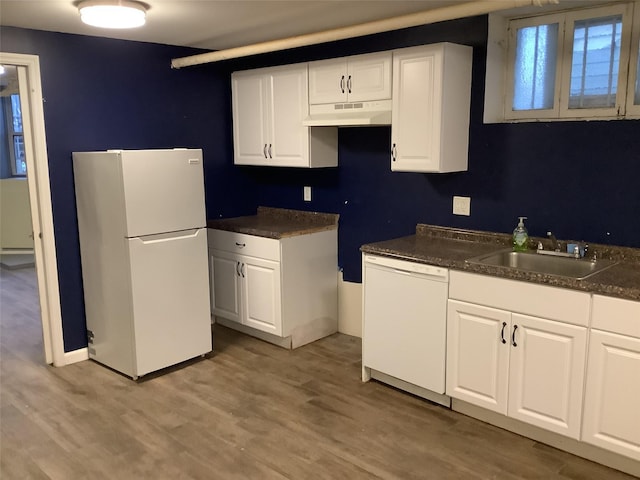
546,374
520,365
612,397
282,287
612,394
477,356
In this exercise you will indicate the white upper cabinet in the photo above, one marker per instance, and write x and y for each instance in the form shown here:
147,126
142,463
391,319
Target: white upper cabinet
358,78
430,108
269,105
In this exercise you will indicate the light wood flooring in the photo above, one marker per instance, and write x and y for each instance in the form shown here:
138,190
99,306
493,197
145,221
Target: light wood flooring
249,411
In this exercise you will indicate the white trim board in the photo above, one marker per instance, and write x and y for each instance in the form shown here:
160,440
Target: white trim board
40,199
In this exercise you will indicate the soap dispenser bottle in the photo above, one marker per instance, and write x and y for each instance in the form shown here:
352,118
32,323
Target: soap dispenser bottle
520,236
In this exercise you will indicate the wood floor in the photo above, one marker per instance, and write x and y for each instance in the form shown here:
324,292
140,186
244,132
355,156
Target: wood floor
249,411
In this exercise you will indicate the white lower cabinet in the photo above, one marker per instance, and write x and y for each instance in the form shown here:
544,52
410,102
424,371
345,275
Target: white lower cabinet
546,374
612,395
285,287
246,290
478,355
517,364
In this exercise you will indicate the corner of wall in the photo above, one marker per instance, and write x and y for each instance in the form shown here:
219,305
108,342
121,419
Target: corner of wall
349,307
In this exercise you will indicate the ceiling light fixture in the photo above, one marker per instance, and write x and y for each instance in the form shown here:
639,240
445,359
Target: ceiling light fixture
113,13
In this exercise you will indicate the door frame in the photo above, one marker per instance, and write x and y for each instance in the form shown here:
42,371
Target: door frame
41,208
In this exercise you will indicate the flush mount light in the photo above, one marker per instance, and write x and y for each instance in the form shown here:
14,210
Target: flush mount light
112,13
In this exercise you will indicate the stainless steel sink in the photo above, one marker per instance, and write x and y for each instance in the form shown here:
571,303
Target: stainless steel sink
550,265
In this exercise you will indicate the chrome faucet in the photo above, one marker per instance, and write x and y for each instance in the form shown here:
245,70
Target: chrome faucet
554,241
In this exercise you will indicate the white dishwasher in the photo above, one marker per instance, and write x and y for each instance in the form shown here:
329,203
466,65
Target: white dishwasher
405,325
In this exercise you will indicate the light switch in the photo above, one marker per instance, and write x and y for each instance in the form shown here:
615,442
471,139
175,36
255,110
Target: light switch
462,206
307,194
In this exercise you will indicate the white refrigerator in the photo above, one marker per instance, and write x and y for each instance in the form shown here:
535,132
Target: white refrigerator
143,246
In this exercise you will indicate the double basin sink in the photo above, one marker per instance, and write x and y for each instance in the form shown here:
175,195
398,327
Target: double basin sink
578,269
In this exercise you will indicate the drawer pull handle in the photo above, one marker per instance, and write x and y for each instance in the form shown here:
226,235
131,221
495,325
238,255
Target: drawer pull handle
242,270
238,268
513,336
264,150
342,84
241,245
504,325
393,152
349,84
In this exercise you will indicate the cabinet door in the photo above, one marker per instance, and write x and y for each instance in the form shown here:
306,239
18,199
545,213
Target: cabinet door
369,77
225,285
416,106
611,411
250,117
288,145
478,355
261,301
328,81
546,374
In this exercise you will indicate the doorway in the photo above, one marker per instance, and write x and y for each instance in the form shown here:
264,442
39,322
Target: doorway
32,146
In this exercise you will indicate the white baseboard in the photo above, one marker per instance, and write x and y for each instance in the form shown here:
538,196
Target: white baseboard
75,356
349,307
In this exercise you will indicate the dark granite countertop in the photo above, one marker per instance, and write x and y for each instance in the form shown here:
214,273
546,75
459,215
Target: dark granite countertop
278,223
450,248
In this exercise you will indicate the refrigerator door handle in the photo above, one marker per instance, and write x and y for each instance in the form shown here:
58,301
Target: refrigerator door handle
167,237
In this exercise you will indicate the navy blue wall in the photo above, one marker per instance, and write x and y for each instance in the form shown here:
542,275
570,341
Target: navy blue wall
102,94
578,179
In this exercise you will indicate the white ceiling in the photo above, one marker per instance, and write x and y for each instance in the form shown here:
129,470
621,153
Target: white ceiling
216,24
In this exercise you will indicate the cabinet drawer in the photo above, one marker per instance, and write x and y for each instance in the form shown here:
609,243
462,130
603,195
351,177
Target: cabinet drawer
616,315
243,244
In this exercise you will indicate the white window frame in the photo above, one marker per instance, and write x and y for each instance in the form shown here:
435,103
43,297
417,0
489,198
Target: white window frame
629,51
633,111
618,110
513,26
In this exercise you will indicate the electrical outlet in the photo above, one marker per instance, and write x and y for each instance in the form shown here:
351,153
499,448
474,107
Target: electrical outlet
307,194
462,206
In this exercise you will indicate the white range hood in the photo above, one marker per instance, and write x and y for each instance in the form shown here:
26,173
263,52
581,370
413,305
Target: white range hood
349,114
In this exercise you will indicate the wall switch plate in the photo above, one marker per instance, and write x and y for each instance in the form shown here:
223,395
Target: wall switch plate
307,194
462,206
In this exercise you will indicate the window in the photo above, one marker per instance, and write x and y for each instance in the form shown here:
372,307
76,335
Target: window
15,134
574,64
595,62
